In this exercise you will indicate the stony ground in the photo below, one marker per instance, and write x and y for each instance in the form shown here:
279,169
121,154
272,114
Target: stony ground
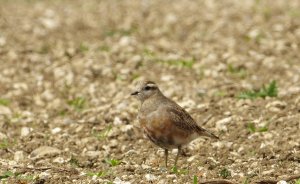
67,68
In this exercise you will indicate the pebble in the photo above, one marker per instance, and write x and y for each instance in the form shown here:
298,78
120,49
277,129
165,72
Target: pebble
119,181
44,175
45,150
171,176
222,144
221,124
18,156
25,131
162,182
276,106
117,121
2,136
4,110
113,143
126,128
56,130
282,182
150,177
92,154
59,160
146,166
267,172
2,41
191,159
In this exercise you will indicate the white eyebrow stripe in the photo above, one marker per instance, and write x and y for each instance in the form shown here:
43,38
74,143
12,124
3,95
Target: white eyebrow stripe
151,85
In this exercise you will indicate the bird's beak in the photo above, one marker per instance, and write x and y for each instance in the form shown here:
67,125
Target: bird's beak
134,93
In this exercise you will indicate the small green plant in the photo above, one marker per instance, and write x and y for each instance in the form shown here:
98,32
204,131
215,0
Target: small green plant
26,178
220,93
4,144
122,32
74,162
148,53
102,134
294,13
195,180
252,128
77,103
182,63
44,49
270,91
63,112
225,173
23,178
175,170
83,48
297,181
97,174
104,48
112,162
4,102
135,76
6,174
246,181
236,71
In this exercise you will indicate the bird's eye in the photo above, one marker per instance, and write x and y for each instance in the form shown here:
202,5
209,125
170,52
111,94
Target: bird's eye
147,88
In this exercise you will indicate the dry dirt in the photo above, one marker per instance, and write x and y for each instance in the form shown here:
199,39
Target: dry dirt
67,68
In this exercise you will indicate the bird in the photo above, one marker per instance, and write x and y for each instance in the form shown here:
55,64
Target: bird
164,122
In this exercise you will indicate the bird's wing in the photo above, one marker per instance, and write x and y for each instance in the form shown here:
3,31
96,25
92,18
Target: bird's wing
180,118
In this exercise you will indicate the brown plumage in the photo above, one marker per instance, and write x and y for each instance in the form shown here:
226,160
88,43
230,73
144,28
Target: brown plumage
164,122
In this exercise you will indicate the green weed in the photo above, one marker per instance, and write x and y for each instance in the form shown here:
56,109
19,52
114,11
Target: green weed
121,32
23,178
104,48
252,128
266,91
246,181
175,170
74,162
148,53
44,49
6,174
220,93
195,180
102,134
295,13
225,173
182,63
77,103
237,71
63,112
297,181
135,76
112,162
83,47
4,102
97,174
5,143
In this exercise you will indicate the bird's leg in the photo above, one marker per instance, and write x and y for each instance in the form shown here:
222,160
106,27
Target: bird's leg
178,153
166,157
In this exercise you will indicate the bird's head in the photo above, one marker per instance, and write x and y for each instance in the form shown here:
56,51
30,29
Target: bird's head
145,90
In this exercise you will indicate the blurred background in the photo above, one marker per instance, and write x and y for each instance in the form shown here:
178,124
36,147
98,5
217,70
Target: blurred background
67,68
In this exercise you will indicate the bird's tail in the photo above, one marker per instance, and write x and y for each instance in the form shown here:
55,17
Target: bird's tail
209,134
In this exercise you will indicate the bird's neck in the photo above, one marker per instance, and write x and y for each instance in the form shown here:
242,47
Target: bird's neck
153,102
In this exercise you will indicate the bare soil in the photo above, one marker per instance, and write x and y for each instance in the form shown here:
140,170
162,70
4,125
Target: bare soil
67,68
